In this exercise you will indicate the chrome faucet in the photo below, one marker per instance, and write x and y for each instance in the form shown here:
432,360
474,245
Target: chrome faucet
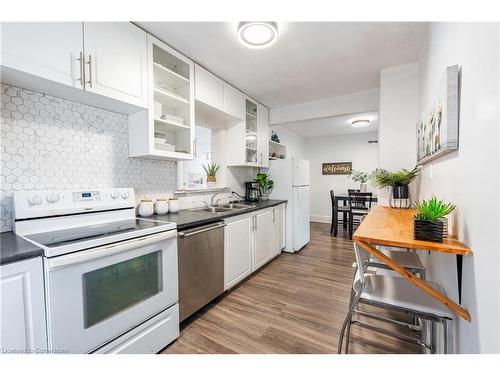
212,200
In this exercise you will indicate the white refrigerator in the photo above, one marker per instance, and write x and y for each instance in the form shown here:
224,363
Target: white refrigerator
291,182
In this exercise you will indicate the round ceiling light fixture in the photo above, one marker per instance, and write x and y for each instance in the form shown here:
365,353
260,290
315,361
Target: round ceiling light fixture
257,34
360,123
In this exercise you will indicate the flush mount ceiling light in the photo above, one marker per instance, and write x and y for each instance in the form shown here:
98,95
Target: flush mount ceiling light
360,123
257,34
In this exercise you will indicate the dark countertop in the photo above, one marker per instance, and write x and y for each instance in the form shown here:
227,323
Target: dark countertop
15,248
187,218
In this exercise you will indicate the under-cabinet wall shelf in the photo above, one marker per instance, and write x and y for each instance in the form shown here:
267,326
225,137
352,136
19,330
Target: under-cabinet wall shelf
276,150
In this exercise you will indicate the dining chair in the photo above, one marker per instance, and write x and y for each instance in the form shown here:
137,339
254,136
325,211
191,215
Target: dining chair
398,295
359,205
340,208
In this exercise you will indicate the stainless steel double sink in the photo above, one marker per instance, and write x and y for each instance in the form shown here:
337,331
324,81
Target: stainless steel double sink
223,208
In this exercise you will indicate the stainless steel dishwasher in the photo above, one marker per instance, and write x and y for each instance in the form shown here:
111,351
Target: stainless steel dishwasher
201,266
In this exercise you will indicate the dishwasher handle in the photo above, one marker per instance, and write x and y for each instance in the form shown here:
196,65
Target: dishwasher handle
204,229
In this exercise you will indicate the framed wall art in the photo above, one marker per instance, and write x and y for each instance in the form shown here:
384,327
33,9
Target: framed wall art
337,168
437,131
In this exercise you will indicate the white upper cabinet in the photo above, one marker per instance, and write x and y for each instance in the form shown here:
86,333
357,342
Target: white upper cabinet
234,102
101,64
49,50
263,136
208,88
116,61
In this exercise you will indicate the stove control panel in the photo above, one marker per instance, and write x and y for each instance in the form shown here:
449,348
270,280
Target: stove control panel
46,203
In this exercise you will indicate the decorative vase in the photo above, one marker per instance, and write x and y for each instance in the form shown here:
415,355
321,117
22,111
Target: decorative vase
426,230
173,205
362,187
211,181
161,206
400,197
146,207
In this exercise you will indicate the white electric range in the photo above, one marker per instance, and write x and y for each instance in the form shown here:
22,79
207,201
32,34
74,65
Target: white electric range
111,279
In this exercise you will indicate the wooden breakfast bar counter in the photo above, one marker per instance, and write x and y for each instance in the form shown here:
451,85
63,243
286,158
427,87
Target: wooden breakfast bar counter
394,227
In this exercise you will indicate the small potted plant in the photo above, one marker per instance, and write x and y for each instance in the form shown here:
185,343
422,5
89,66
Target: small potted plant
430,223
398,181
211,170
361,177
266,184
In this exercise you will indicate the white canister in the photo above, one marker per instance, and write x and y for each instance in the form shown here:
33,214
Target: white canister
161,206
173,205
146,207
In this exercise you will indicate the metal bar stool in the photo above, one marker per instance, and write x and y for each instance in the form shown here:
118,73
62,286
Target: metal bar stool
395,294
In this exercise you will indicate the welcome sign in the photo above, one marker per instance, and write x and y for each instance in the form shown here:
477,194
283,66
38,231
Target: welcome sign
337,168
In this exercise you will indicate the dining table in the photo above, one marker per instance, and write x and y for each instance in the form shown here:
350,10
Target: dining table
344,198
393,227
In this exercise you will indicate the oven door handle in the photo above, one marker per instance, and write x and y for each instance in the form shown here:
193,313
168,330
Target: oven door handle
108,250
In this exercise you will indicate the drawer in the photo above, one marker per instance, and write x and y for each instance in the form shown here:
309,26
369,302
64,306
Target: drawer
148,338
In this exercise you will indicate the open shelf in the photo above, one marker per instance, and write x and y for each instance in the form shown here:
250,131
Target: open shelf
165,125
276,143
169,99
165,75
271,158
251,149
251,115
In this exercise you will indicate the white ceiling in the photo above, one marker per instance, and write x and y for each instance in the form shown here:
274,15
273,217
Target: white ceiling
309,61
339,125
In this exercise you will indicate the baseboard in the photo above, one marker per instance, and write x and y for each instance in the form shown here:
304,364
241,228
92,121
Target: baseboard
320,219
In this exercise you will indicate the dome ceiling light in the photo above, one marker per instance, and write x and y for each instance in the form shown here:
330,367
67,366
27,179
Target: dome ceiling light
257,35
360,123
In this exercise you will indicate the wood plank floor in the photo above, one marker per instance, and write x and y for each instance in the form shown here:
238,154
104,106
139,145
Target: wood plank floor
295,304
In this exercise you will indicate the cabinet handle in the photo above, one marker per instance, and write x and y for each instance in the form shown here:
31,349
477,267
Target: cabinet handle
82,69
194,148
90,71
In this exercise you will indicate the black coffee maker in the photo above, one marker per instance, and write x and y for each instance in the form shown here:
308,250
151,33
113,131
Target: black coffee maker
252,191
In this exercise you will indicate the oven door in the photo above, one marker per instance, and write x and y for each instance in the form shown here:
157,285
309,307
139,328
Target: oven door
98,294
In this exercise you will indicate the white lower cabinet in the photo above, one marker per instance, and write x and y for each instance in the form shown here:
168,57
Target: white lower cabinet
23,307
250,241
237,249
264,238
278,229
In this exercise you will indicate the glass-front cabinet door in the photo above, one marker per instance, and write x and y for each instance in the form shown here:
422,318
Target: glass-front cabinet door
171,102
167,129
251,138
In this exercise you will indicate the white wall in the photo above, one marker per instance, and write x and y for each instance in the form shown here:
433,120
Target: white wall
398,118
469,177
295,144
354,148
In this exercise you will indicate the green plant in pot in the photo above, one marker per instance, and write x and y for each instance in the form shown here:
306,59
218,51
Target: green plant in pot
211,171
265,183
361,177
398,181
430,223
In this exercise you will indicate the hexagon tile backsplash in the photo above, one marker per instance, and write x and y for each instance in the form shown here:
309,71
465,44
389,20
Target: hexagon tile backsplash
51,143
